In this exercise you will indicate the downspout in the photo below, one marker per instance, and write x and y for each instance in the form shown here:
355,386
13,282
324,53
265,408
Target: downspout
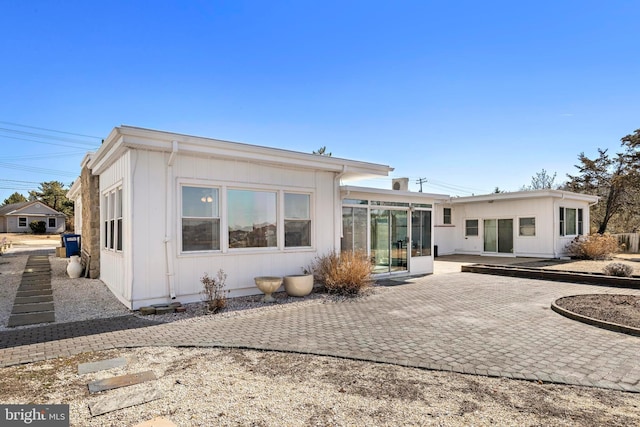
169,191
338,206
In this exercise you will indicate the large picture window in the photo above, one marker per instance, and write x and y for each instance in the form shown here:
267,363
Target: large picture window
252,219
297,220
420,233
200,219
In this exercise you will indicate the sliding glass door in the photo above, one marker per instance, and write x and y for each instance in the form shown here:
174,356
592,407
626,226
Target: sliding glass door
389,240
498,235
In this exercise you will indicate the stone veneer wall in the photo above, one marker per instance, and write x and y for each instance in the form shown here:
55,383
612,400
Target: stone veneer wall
91,220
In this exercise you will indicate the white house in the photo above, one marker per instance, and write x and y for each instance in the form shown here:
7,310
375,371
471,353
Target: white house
536,223
173,207
158,210
16,217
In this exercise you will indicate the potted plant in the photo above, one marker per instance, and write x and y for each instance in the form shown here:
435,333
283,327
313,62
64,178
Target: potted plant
298,285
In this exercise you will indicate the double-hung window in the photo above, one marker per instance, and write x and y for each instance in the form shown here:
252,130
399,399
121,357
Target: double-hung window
527,227
22,221
51,223
471,227
200,219
446,215
297,220
571,221
112,214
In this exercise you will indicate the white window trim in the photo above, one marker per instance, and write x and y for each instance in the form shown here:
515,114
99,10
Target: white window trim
563,228
310,219
465,227
450,216
535,226
55,222
223,187
104,219
26,222
221,233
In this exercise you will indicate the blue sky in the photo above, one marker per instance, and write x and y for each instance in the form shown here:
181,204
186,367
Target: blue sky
469,95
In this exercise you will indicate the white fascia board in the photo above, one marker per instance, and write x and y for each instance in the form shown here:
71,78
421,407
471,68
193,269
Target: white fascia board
75,189
352,191
533,194
146,139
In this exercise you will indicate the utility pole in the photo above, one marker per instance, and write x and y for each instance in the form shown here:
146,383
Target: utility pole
421,181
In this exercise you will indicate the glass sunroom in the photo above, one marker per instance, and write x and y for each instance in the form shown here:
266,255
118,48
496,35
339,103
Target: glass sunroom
394,228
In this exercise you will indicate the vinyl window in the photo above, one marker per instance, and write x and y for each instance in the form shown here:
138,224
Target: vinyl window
471,228
200,219
297,220
446,215
526,227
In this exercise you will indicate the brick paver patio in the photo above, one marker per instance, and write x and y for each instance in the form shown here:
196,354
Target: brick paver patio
462,322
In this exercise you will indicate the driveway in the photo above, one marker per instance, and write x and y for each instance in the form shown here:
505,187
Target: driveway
462,322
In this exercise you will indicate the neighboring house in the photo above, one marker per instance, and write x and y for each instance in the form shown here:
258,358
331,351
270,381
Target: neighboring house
158,210
16,217
536,223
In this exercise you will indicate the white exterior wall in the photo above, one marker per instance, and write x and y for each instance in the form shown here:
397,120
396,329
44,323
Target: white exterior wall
540,245
561,242
547,243
155,199
115,265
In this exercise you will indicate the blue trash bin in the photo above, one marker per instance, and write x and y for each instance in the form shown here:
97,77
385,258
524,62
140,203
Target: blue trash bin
71,244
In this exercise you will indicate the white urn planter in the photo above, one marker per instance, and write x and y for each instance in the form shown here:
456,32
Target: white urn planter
74,268
298,285
268,285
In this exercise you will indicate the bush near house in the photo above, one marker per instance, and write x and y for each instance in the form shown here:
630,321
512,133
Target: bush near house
213,291
594,246
38,227
347,273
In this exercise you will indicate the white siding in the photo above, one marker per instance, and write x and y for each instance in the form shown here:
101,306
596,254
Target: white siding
113,265
152,189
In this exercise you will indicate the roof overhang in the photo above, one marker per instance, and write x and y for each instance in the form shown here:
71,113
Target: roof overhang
520,195
127,137
355,192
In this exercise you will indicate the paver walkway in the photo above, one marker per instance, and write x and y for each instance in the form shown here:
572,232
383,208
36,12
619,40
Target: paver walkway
34,299
462,322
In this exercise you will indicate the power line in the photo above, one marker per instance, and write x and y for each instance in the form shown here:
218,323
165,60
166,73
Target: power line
41,142
39,170
53,137
49,130
44,156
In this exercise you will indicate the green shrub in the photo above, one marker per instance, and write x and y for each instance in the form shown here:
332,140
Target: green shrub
348,273
618,269
38,227
213,292
594,246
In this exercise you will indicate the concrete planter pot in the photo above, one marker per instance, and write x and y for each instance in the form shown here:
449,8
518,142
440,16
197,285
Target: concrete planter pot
268,285
298,285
